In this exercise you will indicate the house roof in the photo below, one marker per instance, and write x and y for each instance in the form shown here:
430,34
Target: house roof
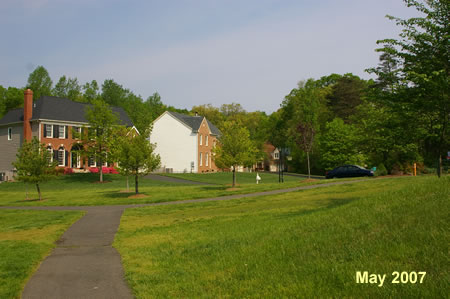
194,122
54,108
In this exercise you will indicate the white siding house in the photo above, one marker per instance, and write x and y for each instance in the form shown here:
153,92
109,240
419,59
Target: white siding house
184,142
175,143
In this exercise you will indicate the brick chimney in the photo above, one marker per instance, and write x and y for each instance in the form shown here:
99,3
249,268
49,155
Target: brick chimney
27,114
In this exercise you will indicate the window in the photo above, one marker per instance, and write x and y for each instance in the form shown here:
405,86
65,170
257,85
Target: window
62,132
201,160
206,157
206,140
9,133
77,131
201,139
75,160
276,155
55,131
50,151
92,162
48,132
61,157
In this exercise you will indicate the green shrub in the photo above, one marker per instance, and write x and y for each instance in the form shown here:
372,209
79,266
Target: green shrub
381,170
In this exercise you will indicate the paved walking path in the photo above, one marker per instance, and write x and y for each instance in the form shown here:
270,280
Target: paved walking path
85,265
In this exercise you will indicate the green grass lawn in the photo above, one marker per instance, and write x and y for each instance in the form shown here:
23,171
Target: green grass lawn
26,237
308,243
226,178
83,189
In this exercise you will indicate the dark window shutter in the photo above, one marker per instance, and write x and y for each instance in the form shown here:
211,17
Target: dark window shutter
45,130
66,158
66,131
55,155
55,131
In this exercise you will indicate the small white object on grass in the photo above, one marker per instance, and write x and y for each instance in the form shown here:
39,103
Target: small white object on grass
258,178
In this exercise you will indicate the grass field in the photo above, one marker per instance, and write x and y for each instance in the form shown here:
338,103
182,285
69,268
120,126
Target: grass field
26,237
225,178
83,189
309,243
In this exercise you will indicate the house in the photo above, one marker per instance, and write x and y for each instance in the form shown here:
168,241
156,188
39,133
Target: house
272,161
184,142
51,120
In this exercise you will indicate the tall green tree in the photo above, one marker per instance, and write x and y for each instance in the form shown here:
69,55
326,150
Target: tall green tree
113,93
90,91
100,133
341,145
10,98
211,113
308,99
135,155
422,56
234,148
33,164
40,83
346,95
68,88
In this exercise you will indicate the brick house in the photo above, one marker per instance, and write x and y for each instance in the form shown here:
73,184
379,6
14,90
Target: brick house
184,142
51,120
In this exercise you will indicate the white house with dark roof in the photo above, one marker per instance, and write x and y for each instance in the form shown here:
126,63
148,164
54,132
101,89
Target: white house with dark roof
184,142
51,120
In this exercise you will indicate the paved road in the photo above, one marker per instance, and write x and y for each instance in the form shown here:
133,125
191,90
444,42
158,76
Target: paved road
85,265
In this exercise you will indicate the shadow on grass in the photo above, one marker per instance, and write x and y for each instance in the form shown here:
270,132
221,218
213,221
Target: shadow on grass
332,204
85,178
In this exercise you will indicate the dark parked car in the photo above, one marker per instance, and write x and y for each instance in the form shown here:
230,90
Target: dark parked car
348,171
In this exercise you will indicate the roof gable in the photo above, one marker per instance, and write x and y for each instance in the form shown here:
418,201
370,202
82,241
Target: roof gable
194,122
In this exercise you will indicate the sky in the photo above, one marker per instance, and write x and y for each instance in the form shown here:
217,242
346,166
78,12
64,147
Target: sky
194,52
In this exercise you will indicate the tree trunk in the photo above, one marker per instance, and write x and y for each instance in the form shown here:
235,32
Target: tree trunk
439,168
100,170
309,169
128,185
136,184
39,191
234,176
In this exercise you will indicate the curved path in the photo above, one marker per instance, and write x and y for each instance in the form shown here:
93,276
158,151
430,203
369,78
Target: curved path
85,265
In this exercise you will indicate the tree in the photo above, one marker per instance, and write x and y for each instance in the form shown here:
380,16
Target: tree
340,145
421,54
234,148
40,83
135,155
68,88
211,113
91,91
345,95
10,98
97,142
33,164
113,93
307,98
